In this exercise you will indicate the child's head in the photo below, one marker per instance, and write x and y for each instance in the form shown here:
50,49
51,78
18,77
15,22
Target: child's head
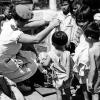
59,38
65,7
84,16
92,32
44,59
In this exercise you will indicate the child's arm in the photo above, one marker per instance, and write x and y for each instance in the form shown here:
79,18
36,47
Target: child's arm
92,69
68,64
40,66
42,70
97,87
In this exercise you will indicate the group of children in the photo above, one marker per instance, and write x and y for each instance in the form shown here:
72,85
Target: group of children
84,64
59,64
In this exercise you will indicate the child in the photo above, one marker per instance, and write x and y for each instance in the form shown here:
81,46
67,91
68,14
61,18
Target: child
92,34
81,64
81,59
60,64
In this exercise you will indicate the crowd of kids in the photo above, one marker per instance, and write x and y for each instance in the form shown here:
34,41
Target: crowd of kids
74,53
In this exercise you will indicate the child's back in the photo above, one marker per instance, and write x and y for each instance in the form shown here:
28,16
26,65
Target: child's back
60,64
92,34
95,52
61,60
60,57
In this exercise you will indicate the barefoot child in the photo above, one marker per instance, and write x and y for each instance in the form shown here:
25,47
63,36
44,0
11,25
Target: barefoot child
92,34
60,64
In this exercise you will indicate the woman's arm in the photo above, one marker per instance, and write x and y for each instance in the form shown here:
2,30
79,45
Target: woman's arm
34,24
25,38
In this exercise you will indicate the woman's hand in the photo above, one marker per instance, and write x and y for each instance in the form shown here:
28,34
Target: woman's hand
55,22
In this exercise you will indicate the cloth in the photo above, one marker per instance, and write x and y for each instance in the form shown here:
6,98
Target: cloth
8,40
60,69
69,26
81,59
81,51
23,11
10,65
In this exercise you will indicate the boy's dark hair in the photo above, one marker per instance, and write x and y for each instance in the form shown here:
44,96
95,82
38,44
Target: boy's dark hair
60,38
92,31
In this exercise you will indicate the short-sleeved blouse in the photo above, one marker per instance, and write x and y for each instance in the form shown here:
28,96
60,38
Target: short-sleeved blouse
9,47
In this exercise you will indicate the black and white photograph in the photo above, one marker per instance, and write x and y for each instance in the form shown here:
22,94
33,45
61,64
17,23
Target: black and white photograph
49,49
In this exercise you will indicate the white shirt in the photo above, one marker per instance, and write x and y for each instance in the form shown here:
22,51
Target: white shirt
69,26
60,70
9,47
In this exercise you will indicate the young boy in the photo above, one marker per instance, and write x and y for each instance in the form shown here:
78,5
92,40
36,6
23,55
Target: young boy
92,34
60,64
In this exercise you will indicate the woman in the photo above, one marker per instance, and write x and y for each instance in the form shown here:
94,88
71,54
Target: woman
17,66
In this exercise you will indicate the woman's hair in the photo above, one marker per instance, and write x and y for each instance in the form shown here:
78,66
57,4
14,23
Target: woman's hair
92,31
60,38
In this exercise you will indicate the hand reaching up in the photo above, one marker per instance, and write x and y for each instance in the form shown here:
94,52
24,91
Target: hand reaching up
55,22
